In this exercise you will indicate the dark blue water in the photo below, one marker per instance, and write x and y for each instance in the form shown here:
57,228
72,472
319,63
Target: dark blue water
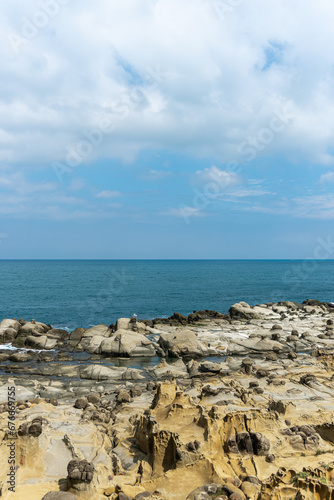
83,293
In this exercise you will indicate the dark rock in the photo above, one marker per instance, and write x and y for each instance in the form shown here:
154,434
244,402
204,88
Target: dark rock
151,386
35,429
253,384
80,471
123,496
271,357
123,397
93,398
81,403
306,379
59,495
253,443
136,391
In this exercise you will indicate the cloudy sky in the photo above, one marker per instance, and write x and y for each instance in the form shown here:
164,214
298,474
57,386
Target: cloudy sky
166,128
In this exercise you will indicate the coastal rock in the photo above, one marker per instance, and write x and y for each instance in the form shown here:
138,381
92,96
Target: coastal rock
243,311
76,336
80,471
10,323
59,495
182,343
33,328
166,370
41,342
100,372
127,343
249,442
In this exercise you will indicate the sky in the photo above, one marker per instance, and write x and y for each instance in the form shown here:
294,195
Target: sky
166,129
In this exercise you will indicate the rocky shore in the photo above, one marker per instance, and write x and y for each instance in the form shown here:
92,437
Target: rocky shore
206,406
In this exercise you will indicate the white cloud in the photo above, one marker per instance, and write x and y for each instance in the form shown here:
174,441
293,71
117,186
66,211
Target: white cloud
307,207
108,194
156,175
325,178
209,95
221,178
184,212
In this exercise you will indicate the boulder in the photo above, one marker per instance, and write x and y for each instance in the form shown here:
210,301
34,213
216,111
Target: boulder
76,336
127,343
57,333
7,335
243,311
41,342
10,323
183,342
80,471
59,495
123,324
21,357
165,370
205,492
100,372
33,328
102,330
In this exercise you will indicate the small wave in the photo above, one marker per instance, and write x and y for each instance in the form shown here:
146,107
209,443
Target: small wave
10,347
59,327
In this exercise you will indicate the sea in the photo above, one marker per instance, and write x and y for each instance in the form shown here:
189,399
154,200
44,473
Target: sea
81,293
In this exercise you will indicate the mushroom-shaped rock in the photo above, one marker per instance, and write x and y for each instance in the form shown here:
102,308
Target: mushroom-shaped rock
80,471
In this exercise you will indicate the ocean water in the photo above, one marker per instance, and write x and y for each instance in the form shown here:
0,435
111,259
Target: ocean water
83,293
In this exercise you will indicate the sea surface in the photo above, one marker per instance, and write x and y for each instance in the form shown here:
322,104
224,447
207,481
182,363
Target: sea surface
69,293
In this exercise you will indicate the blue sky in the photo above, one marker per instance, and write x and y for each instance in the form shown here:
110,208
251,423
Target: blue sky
155,129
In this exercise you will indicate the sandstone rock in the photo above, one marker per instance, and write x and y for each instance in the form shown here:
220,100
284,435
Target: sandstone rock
127,343
59,495
100,372
203,492
11,323
57,333
33,328
80,471
93,398
41,342
166,370
249,442
35,429
123,397
21,357
144,494
243,311
81,403
76,335
182,343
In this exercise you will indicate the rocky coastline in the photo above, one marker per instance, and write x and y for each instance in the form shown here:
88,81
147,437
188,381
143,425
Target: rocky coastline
206,406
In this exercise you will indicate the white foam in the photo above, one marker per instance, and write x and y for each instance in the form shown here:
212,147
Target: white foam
10,347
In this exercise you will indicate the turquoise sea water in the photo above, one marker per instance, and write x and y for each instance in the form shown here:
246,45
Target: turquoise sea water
82,293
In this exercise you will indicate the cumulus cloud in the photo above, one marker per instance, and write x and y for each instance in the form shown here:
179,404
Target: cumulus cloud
187,79
222,178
